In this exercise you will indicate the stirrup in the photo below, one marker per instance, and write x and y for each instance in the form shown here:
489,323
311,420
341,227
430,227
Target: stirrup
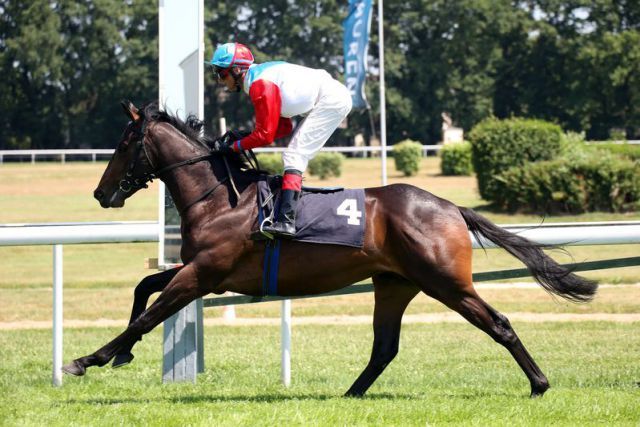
266,233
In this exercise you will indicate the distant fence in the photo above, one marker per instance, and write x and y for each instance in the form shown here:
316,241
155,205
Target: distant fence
105,154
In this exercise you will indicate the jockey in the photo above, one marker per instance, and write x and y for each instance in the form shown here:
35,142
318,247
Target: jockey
279,91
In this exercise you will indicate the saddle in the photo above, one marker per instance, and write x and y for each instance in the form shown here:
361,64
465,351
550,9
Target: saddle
329,215
325,215
270,198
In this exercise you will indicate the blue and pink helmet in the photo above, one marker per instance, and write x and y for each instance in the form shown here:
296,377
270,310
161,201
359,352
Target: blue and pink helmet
231,55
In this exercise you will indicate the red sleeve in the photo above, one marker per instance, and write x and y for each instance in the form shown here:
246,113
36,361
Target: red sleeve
265,96
284,127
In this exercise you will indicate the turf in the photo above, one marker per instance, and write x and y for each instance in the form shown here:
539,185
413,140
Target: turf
444,374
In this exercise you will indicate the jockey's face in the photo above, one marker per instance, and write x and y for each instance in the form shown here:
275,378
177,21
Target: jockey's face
231,78
229,82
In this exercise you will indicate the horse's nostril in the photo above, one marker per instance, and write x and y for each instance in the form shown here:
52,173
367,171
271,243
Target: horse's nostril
98,194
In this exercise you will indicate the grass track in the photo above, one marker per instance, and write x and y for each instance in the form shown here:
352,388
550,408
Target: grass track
444,373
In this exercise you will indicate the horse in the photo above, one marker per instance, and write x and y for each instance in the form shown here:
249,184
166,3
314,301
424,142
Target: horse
414,242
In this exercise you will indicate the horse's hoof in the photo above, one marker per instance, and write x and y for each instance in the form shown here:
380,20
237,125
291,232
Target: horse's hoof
74,368
539,390
121,360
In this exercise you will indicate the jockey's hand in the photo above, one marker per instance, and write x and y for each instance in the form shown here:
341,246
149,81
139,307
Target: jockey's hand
236,134
223,145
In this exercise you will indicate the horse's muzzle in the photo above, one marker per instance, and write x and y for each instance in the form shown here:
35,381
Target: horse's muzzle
108,202
99,196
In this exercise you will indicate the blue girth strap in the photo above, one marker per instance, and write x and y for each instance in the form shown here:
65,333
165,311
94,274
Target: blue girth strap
270,268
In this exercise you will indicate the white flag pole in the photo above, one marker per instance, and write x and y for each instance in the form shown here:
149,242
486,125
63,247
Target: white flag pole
383,112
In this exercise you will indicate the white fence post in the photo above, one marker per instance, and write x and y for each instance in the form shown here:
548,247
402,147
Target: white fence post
57,315
286,342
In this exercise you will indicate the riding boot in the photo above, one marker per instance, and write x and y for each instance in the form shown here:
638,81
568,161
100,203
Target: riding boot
285,225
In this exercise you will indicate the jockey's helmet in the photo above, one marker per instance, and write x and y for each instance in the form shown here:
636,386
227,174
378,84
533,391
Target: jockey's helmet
231,55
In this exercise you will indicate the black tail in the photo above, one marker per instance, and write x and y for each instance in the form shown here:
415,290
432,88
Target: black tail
549,274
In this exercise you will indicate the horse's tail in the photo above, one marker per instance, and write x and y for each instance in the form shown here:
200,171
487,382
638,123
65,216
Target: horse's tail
552,276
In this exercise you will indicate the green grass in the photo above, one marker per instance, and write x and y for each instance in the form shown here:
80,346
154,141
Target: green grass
444,373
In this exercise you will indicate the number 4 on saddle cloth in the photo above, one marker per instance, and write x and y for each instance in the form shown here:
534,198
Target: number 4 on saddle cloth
333,216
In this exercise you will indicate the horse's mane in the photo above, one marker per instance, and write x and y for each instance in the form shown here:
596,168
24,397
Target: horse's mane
193,128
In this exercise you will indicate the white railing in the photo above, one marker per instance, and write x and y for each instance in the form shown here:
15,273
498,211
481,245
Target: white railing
63,154
72,233
58,154
78,233
57,234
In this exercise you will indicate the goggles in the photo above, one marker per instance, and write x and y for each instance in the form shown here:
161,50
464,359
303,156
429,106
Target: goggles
221,73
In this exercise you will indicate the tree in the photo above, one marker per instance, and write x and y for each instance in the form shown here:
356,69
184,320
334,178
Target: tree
69,62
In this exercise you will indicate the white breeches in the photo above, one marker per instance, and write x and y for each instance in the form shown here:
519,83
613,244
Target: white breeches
334,103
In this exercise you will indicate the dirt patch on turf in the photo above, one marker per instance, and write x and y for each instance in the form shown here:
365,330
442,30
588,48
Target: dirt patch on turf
344,320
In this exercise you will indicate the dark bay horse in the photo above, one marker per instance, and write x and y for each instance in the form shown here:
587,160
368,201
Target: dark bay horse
414,241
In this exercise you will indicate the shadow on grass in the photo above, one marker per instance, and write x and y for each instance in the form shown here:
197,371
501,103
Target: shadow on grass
259,398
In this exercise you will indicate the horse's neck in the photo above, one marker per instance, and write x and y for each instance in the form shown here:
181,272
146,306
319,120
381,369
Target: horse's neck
185,183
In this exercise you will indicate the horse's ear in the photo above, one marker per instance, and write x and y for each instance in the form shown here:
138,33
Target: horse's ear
130,109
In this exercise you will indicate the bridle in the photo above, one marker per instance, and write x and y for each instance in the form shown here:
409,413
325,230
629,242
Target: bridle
130,183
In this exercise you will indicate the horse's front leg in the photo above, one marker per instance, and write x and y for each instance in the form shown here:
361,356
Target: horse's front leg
148,286
183,288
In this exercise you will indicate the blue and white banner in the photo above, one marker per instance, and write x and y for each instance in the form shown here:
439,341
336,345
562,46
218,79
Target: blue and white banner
356,43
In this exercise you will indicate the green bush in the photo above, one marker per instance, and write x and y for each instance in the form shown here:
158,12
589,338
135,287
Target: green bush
271,162
626,150
326,164
407,155
500,144
455,159
584,181
572,141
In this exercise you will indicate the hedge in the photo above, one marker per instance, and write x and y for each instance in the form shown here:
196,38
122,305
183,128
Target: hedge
579,182
407,155
271,162
498,145
626,150
326,164
455,159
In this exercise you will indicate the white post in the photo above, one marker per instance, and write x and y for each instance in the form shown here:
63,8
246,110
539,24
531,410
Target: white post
57,315
383,112
286,342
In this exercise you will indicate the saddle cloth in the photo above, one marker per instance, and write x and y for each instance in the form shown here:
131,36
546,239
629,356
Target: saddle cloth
336,217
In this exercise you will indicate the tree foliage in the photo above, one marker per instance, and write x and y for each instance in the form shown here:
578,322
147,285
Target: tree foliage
66,63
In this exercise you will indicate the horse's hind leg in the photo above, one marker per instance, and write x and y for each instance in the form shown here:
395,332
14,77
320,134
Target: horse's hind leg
446,276
497,326
148,286
392,295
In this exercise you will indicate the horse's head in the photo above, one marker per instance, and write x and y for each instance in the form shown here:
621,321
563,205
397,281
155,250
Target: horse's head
130,167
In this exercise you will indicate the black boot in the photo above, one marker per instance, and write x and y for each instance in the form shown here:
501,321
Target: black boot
285,225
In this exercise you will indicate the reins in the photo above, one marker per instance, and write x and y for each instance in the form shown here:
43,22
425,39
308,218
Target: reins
129,183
